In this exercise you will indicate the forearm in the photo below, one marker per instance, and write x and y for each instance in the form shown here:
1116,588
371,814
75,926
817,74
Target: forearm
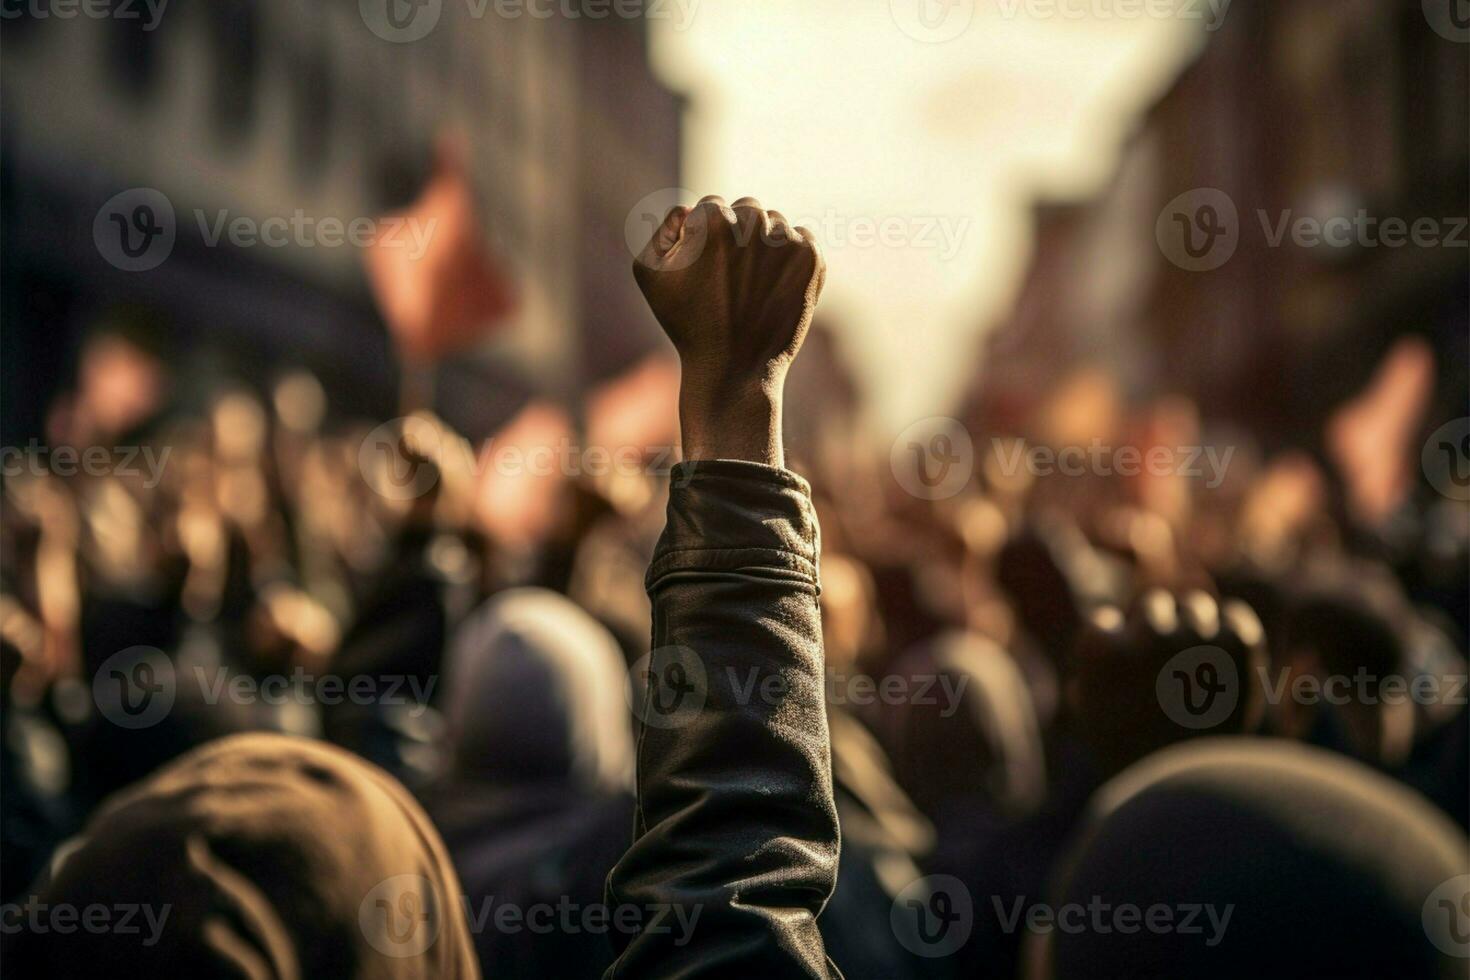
740,422
736,822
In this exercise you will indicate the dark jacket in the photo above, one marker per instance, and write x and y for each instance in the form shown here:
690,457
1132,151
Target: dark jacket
537,805
735,816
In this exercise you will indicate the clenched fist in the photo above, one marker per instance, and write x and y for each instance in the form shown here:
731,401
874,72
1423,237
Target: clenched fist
734,287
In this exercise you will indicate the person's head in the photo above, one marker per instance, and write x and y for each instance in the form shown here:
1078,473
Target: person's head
254,856
535,692
1249,857
967,733
122,374
1349,625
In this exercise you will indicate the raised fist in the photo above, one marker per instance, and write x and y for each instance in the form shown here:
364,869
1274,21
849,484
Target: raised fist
1175,666
734,287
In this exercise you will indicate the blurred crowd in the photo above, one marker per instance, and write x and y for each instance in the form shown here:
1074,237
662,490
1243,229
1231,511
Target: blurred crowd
1018,671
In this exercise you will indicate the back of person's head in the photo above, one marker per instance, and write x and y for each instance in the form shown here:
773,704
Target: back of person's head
535,692
254,856
1248,857
1350,624
967,734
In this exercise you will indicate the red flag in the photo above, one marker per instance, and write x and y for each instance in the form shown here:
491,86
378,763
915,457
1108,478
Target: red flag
437,284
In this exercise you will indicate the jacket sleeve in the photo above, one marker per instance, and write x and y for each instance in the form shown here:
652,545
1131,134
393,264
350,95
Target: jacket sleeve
736,829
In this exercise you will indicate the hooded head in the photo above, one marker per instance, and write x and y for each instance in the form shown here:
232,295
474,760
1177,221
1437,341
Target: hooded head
1287,861
535,694
969,735
257,856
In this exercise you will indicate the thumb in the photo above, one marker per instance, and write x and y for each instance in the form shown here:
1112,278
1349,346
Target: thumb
665,237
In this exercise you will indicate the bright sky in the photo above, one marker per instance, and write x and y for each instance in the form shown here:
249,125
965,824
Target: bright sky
913,161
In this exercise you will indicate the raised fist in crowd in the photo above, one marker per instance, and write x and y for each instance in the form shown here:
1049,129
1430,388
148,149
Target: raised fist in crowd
1175,666
734,287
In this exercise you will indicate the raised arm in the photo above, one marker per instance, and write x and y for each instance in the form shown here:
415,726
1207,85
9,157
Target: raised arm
736,824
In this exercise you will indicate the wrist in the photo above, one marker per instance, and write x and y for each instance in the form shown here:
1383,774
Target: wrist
740,422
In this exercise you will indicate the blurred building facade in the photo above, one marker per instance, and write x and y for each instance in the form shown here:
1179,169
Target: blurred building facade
1294,109
267,108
